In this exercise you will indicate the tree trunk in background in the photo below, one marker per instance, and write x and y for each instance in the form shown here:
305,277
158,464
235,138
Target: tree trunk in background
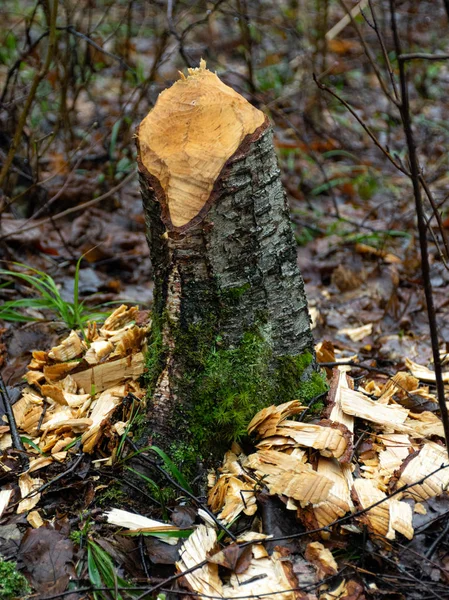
231,331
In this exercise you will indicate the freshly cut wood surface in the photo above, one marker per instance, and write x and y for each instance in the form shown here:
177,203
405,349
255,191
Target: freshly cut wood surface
184,142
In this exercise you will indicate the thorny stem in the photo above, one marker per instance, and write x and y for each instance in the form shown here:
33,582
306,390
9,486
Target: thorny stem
51,14
404,109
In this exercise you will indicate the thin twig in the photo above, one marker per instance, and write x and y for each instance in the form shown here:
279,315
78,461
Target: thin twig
422,229
422,56
15,437
72,210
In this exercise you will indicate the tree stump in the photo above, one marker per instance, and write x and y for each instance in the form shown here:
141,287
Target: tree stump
230,329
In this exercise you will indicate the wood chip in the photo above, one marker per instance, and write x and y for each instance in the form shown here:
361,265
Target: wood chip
109,374
5,497
195,550
34,519
356,334
69,348
232,496
307,487
338,502
322,559
27,486
104,406
331,439
120,318
378,518
430,458
423,373
358,405
264,423
98,351
133,522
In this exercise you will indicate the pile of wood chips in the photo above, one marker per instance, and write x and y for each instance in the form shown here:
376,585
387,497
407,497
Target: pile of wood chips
317,472
315,468
73,391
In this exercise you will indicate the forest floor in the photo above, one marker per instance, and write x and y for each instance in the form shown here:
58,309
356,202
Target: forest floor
72,192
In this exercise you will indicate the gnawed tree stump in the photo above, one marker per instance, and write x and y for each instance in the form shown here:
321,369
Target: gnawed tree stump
231,330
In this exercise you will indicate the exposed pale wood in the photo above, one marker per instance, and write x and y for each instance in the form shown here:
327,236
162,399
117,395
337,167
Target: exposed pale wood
108,374
358,405
338,501
195,127
328,440
430,458
264,423
195,550
28,485
69,348
134,522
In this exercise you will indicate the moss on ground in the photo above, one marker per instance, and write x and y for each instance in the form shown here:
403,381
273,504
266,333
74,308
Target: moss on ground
13,584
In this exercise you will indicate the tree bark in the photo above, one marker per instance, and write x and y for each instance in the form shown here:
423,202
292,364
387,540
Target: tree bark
231,329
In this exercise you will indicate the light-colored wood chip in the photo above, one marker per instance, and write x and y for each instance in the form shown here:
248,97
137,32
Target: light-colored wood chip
264,423
34,377
98,351
106,375
28,485
39,463
123,316
423,425
38,360
339,382
307,487
378,518
196,549
5,497
34,519
133,522
69,348
423,373
267,577
270,462
432,458
104,406
358,405
232,496
338,501
330,440
54,392
130,340
356,334
396,449
401,384
401,518
322,559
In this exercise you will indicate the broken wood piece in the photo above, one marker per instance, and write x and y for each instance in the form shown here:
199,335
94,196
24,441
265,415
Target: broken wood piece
103,408
68,349
336,414
338,502
358,405
98,351
195,550
232,496
307,487
423,373
106,375
122,317
27,486
331,439
5,497
377,518
432,458
133,522
402,384
322,559
264,423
